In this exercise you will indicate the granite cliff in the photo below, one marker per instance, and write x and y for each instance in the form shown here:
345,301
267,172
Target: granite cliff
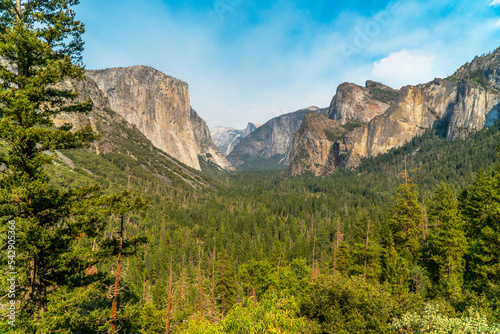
159,106
455,107
269,146
318,144
227,138
122,148
356,104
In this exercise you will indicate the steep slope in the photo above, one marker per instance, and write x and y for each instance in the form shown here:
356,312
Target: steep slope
159,106
458,106
207,149
316,146
269,146
122,151
356,104
227,138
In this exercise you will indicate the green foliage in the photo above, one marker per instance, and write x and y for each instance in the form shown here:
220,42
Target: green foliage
349,305
447,242
383,95
430,321
334,136
270,315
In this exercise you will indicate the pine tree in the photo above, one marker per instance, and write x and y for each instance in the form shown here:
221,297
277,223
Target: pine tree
447,241
406,220
40,46
225,287
480,205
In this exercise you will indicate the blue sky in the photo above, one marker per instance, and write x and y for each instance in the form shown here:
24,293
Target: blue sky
251,60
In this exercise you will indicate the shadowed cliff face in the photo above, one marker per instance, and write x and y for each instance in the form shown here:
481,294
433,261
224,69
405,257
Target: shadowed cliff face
205,145
160,108
316,147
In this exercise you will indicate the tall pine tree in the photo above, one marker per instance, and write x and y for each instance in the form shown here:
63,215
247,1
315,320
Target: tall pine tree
448,243
40,46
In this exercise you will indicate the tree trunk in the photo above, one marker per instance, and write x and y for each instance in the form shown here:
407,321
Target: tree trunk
366,250
200,283
180,287
117,279
18,8
213,285
167,329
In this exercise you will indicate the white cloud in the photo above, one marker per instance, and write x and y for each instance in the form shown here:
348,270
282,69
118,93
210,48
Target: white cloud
497,24
495,3
403,68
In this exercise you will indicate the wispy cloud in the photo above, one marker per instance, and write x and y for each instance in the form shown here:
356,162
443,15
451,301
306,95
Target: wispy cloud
495,3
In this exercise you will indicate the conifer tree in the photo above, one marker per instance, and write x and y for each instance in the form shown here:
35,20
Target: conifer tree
406,220
40,46
225,287
447,241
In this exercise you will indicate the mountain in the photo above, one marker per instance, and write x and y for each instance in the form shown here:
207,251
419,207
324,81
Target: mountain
269,146
227,138
456,107
353,103
316,145
159,105
122,154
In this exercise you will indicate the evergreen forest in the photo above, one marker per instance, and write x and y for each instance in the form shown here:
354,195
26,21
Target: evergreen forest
408,242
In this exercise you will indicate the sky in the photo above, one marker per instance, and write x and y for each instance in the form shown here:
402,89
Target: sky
252,60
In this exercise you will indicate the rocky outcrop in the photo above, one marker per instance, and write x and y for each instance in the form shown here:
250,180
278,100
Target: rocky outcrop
269,146
456,107
159,106
317,146
227,138
205,145
121,144
356,104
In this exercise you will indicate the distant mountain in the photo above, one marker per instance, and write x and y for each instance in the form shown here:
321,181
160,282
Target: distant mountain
159,105
269,146
227,138
457,106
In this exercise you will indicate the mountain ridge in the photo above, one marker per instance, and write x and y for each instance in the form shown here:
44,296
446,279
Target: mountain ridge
456,107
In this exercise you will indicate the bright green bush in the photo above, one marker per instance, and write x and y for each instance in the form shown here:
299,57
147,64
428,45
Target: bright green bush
430,321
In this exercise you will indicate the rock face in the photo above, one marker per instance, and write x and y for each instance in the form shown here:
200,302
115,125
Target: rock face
269,146
316,147
356,104
456,107
205,145
227,138
122,142
159,106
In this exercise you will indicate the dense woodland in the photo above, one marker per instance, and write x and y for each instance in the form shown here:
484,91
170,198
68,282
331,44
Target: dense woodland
405,238
408,242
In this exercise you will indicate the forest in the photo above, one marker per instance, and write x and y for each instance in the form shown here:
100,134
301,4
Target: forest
408,242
